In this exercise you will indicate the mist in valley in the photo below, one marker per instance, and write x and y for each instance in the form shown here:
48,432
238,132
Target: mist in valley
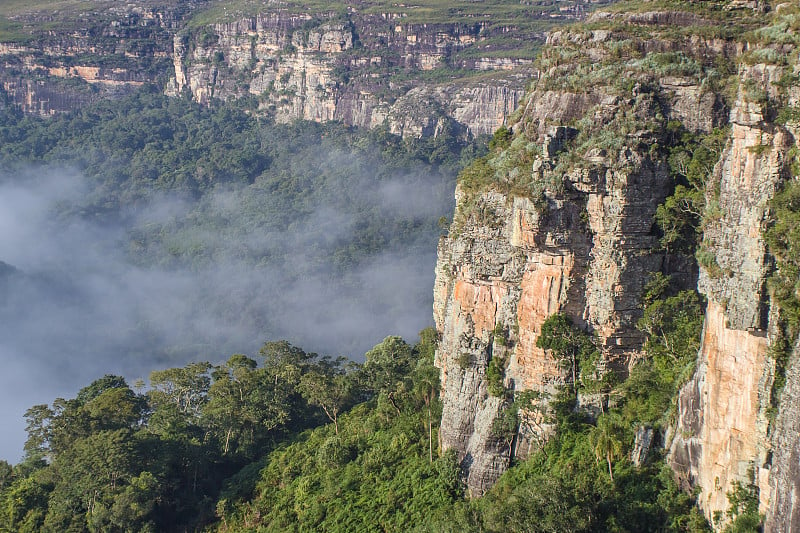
174,278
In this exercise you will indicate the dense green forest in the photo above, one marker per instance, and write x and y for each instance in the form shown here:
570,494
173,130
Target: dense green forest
243,210
183,232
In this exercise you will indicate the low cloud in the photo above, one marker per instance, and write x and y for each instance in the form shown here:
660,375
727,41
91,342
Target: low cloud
80,298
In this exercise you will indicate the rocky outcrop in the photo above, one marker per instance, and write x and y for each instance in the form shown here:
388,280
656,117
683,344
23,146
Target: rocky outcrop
722,435
358,67
582,246
100,54
568,231
300,66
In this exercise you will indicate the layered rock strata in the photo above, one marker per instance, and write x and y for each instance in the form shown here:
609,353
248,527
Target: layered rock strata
584,248
300,67
360,68
568,230
723,432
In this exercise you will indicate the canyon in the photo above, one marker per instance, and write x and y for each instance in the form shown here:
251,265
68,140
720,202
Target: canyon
560,218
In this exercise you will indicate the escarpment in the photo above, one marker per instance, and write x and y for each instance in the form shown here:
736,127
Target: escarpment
563,221
564,225
323,68
414,73
722,435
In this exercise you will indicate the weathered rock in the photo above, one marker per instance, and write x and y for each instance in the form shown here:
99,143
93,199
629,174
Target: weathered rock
641,445
722,432
510,262
783,514
302,72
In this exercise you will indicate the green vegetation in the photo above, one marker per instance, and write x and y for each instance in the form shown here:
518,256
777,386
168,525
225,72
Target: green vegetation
783,239
497,15
743,512
233,185
156,460
682,215
572,347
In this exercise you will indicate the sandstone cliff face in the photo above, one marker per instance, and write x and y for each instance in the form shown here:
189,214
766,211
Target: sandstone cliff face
357,67
783,514
722,436
515,256
299,66
103,54
584,247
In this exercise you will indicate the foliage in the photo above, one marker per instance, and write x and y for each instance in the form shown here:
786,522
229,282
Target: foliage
374,469
691,161
112,459
743,511
494,376
783,239
571,346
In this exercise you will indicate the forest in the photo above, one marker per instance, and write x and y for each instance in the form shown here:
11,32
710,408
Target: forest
289,440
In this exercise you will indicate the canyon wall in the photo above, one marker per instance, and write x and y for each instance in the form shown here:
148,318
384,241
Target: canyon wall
577,241
362,68
569,229
325,68
722,435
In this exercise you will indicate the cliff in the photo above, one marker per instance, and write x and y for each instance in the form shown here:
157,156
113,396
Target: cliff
367,64
562,221
722,435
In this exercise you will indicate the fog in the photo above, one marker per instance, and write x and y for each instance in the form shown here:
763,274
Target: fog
82,296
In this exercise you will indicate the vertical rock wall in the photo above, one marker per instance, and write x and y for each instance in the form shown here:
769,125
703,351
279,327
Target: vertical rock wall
510,262
722,434
301,68
783,515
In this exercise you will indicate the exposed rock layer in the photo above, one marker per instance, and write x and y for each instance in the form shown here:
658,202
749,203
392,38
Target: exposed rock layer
359,68
522,249
722,435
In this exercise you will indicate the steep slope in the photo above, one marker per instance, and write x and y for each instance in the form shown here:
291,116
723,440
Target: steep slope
723,430
563,221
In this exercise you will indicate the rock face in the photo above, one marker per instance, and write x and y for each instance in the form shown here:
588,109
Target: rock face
584,248
105,53
784,506
722,436
299,66
566,227
358,67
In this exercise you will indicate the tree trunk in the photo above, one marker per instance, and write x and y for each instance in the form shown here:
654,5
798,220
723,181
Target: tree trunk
430,436
227,441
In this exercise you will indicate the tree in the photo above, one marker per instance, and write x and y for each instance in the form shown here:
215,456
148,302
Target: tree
99,386
328,387
244,405
186,387
387,365
38,419
567,342
607,439
426,378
